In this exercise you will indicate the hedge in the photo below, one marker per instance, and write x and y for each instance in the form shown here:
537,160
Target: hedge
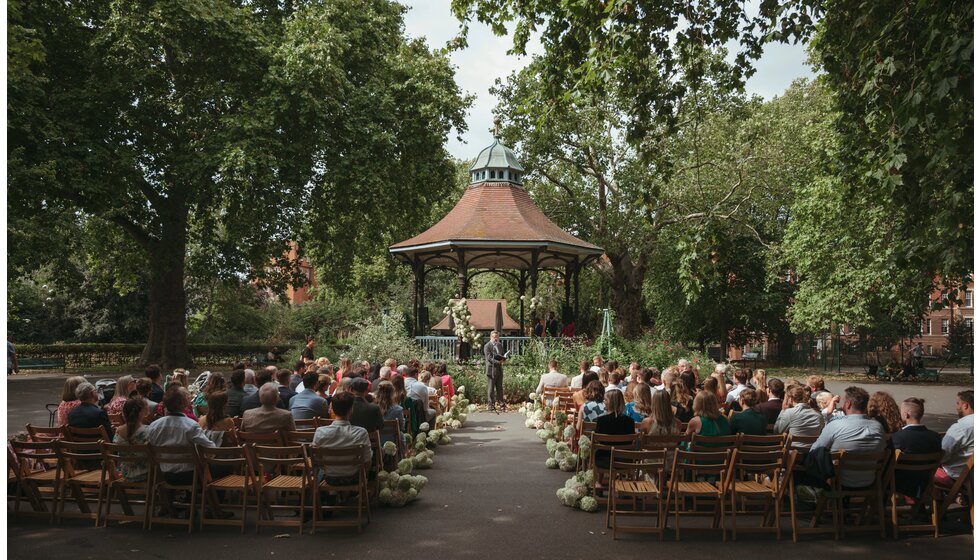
111,354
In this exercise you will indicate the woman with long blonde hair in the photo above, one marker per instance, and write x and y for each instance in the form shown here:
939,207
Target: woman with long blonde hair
708,420
681,401
639,406
661,420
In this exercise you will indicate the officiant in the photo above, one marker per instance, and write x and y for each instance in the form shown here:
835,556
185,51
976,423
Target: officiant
494,355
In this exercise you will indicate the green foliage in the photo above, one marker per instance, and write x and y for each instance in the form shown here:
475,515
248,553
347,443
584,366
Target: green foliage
960,338
376,342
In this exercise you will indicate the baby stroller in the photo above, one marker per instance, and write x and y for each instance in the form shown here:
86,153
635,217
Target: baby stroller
106,388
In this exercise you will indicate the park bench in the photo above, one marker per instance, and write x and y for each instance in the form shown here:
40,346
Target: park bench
879,373
41,363
924,374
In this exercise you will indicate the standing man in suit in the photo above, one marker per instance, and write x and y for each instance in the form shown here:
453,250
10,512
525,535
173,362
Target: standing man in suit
493,353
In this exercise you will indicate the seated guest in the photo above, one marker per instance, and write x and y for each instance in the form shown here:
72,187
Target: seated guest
341,434
827,405
596,366
88,414
958,441
613,422
681,400
124,387
419,392
661,420
282,379
855,432
323,383
614,380
552,379
366,415
913,438
143,387
425,378
390,409
798,418
252,401
720,374
69,400
883,408
133,432
577,380
297,377
236,392
741,378
578,397
772,407
155,375
177,430
309,404
214,384
748,421
250,386
707,420
173,386
268,417
594,405
759,382
442,372
216,422
815,383
639,407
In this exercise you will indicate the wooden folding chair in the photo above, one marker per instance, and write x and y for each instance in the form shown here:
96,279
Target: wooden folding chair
321,422
392,432
327,459
124,492
267,439
239,479
707,444
275,466
605,443
237,421
759,444
40,434
165,458
636,478
870,497
757,477
81,473
81,435
305,423
795,474
801,442
712,468
962,485
915,465
588,428
299,437
35,477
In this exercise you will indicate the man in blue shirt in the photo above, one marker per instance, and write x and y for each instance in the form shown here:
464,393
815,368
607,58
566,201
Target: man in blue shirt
306,404
855,432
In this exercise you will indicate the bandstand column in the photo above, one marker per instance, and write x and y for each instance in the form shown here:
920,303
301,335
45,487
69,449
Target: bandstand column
521,290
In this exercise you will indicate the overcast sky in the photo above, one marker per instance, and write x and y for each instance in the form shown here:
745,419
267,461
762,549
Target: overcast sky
486,59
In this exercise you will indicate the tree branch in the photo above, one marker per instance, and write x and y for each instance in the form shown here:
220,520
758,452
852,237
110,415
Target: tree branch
142,238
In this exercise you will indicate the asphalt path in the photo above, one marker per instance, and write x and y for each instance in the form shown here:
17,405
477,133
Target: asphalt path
489,496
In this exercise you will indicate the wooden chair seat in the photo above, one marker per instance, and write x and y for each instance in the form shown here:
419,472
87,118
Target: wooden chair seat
232,481
44,476
285,482
86,477
699,489
750,487
637,487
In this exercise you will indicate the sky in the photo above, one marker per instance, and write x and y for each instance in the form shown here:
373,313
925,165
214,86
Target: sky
486,59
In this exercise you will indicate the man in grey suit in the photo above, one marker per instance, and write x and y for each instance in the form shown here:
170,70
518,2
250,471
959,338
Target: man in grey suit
493,353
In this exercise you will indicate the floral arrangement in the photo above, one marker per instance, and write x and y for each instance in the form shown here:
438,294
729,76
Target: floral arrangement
575,493
460,313
458,408
561,456
400,487
533,302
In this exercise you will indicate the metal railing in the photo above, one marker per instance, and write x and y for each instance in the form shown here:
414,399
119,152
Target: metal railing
439,347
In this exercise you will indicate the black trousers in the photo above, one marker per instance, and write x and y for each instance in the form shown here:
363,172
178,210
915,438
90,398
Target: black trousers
495,384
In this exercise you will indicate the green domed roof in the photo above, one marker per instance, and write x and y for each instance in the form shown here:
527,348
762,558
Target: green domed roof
497,162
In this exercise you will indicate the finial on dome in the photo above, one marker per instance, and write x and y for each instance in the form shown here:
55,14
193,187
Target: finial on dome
496,128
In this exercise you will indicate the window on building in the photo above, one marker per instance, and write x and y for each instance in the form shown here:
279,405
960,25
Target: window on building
928,327
944,326
929,349
969,325
968,298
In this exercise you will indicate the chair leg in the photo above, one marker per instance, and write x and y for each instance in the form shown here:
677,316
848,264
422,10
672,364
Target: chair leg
677,519
721,517
734,529
777,518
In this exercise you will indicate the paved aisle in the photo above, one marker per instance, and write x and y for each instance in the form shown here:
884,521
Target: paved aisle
489,496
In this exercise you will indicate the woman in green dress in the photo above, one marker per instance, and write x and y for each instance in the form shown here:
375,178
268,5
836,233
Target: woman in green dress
708,420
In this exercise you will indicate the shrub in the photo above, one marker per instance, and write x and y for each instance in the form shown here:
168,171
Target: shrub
375,342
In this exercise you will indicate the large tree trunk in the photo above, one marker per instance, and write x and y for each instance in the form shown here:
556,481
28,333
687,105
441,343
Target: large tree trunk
626,280
167,342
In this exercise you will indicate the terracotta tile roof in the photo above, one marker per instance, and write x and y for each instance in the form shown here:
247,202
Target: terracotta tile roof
496,212
484,317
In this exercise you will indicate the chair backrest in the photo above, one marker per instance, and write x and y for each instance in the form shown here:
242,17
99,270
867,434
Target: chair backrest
73,433
633,465
748,463
300,437
702,463
608,441
41,434
32,453
269,439
115,453
375,438
336,456
234,458
175,455
392,431
711,443
321,422
773,442
853,461
274,460
803,442
305,423
588,428
917,464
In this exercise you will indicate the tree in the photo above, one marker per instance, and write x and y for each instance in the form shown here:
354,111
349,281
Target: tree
592,181
200,129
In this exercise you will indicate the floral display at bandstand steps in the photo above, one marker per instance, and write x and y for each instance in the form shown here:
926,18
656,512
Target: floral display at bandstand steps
565,452
398,485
